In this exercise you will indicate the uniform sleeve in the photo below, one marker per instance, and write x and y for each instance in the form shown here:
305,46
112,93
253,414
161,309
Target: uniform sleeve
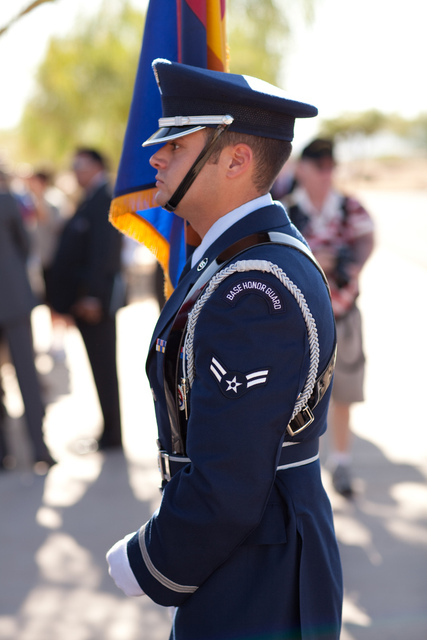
251,359
119,568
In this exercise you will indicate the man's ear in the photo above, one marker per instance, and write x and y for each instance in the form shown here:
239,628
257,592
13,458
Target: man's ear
240,159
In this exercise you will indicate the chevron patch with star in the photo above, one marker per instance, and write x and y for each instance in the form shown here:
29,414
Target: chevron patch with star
234,384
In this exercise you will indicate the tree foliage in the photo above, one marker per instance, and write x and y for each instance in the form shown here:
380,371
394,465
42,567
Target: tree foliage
368,123
350,124
84,88
84,85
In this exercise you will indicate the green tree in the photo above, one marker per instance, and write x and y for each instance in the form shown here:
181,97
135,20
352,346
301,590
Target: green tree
351,124
84,85
84,88
364,125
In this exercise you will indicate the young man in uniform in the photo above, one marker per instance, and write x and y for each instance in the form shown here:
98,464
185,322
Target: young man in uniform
243,543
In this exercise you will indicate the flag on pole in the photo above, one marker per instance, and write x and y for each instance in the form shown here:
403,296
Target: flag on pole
187,31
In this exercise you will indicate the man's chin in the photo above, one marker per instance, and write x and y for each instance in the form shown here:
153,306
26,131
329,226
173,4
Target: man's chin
160,199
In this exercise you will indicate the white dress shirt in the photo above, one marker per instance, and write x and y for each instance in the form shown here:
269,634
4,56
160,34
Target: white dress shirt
225,222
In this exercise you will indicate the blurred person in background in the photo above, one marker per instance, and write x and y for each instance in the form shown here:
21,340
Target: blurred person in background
16,303
340,233
49,217
4,448
87,284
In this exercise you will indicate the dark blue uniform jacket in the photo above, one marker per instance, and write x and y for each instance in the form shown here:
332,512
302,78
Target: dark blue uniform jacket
244,550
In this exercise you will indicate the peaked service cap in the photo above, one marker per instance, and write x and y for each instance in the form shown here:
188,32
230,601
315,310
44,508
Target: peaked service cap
194,98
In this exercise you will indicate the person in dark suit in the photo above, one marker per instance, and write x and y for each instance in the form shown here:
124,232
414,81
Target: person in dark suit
240,365
3,413
86,284
16,303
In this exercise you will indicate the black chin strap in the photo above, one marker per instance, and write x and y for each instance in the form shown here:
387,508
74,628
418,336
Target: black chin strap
194,171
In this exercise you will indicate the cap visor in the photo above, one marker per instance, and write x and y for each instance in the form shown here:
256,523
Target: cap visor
170,133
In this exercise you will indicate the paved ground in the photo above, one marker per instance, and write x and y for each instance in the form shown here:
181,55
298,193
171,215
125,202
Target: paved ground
54,530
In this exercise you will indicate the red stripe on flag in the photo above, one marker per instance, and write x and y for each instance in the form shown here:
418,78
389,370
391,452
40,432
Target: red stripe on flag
199,8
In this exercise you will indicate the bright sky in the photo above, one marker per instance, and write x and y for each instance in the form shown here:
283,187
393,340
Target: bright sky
356,55
360,55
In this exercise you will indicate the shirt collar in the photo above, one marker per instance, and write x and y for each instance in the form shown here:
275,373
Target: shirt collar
225,222
330,205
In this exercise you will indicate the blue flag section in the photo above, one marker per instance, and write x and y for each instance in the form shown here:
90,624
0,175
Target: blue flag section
188,31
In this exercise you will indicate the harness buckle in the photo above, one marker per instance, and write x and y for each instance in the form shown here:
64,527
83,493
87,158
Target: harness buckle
164,466
301,421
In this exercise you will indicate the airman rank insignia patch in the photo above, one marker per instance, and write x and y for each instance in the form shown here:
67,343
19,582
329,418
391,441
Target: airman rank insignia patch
234,384
272,297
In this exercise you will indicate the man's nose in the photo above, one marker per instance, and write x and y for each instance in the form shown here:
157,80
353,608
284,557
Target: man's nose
157,159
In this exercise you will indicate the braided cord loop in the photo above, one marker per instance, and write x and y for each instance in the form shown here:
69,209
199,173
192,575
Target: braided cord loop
266,267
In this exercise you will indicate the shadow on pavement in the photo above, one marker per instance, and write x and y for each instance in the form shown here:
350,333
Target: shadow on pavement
382,535
54,378
54,540
57,529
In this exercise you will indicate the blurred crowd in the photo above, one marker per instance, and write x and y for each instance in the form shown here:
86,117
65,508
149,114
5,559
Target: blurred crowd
32,214
57,248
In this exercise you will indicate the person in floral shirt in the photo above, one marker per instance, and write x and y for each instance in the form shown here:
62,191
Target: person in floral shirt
340,233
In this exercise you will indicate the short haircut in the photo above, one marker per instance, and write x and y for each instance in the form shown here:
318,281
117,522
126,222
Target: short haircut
43,176
269,154
93,154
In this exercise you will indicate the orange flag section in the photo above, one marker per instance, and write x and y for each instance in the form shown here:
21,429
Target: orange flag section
216,35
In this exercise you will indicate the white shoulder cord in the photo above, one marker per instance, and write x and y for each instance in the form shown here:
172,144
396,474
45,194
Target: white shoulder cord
269,267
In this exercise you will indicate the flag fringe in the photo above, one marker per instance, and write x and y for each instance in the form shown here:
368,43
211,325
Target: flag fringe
123,217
